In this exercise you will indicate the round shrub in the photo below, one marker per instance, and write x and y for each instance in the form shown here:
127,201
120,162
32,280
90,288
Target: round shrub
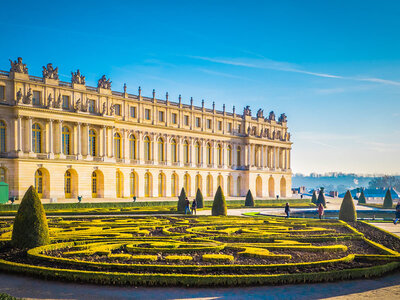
321,198
388,201
30,228
181,201
249,199
314,197
199,199
362,199
219,204
347,211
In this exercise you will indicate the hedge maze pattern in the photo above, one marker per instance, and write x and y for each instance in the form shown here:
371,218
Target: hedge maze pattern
202,251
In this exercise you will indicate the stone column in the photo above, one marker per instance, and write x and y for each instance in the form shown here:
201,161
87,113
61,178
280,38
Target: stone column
50,136
30,150
262,156
112,142
88,152
167,154
104,129
125,147
79,141
140,149
155,151
248,155
203,154
234,156
19,124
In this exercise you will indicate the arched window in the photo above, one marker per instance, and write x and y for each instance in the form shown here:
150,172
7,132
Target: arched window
132,146
229,155
209,154
239,186
219,155
67,184
2,175
92,142
220,181
147,184
133,184
198,182
239,156
173,151
161,185
119,180
39,182
2,137
94,185
229,186
197,153
209,186
161,149
186,184
174,185
66,141
147,148
185,152
117,145
36,138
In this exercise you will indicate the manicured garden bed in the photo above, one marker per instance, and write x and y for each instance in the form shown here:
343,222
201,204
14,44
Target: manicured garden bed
203,251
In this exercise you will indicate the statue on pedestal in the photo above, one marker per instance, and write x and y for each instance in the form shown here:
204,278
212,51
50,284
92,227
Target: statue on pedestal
28,97
85,106
57,104
282,118
112,109
49,101
104,110
260,113
19,96
77,77
18,67
104,83
49,72
271,116
77,106
247,111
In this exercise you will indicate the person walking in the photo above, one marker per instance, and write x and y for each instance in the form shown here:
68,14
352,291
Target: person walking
320,211
187,206
287,210
397,213
194,207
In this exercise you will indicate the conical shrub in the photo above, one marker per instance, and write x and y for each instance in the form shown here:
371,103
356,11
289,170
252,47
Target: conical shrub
388,201
30,228
199,199
314,197
362,199
321,197
348,211
219,205
182,201
249,199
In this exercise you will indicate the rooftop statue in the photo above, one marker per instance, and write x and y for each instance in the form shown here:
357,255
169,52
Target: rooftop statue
77,106
28,98
18,67
57,104
49,72
260,113
112,109
271,116
282,118
77,77
104,83
49,101
19,96
247,111
104,110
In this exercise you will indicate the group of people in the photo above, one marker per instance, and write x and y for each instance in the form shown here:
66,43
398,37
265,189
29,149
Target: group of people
187,207
320,210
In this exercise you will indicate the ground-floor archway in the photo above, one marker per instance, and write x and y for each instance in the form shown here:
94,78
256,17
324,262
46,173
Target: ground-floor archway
259,186
71,184
97,184
42,183
283,187
133,184
209,186
271,187
148,185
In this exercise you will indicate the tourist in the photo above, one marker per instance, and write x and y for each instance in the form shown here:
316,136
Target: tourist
397,213
287,210
187,206
194,207
320,211
134,198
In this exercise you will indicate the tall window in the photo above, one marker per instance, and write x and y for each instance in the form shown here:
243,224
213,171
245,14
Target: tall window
94,185
2,137
119,182
2,175
219,155
147,185
36,98
220,181
198,123
186,120
132,146
161,184
133,111
67,184
239,186
2,92
161,149
174,118
133,184
229,186
173,151
185,152
229,154
92,106
174,185
209,186
36,138
209,154
229,127
117,109
186,184
198,182
239,156
65,102
117,145
208,123
147,148
220,125
197,153
39,182
92,142
66,140
147,114
161,116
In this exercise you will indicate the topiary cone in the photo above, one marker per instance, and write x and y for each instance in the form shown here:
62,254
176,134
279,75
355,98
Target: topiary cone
314,197
321,197
30,228
348,211
362,199
249,199
181,201
199,199
388,201
219,205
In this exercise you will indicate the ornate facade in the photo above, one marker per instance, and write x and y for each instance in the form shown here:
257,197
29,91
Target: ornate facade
69,139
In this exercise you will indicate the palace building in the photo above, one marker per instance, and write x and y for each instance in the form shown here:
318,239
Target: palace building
69,140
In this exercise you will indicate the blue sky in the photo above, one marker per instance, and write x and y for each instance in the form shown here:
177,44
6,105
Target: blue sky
332,66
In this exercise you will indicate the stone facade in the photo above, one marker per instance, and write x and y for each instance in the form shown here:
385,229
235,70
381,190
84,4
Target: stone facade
69,139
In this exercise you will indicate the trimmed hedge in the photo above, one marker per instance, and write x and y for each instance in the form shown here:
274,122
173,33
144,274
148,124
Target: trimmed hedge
348,211
199,199
249,202
388,201
182,201
219,206
361,199
314,197
321,198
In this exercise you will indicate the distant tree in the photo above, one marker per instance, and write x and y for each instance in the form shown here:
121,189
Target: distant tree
388,201
385,182
181,201
362,199
348,211
249,199
199,199
314,198
321,197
